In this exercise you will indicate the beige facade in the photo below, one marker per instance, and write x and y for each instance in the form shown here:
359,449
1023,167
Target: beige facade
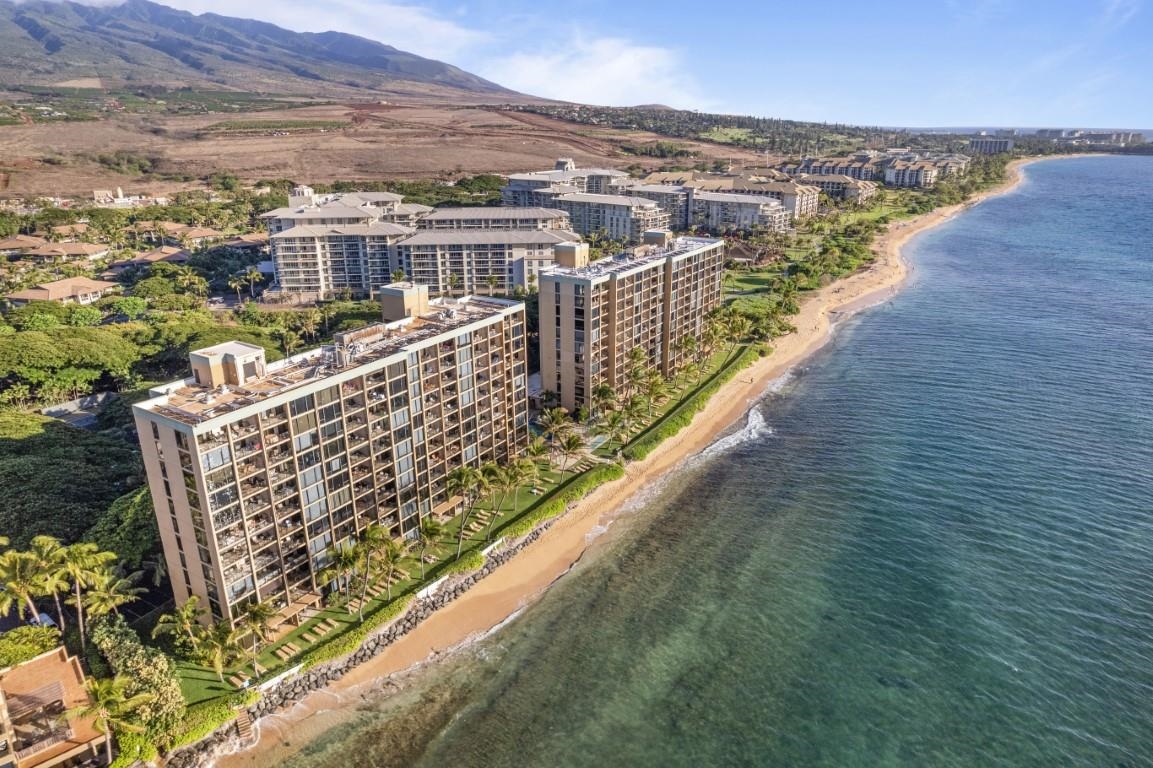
524,189
902,173
722,212
258,469
841,187
592,317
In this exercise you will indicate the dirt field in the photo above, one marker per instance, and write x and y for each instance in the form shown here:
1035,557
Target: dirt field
384,140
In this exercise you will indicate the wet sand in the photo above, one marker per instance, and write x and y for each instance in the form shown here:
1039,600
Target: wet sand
522,580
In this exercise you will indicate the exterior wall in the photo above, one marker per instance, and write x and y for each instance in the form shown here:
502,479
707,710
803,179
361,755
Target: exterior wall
249,502
329,264
620,221
517,222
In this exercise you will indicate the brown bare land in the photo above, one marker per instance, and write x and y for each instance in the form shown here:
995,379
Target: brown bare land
380,141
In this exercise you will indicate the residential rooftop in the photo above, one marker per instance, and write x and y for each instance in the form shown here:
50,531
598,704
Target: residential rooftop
490,212
625,200
380,228
489,237
191,403
637,257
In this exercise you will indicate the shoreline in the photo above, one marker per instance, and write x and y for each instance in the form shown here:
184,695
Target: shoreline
507,591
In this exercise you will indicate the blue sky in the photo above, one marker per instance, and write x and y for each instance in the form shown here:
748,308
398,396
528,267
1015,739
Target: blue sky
1051,63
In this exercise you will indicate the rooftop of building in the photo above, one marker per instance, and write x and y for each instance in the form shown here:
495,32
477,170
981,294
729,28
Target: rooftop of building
732,197
637,257
190,403
378,228
413,208
63,289
625,200
563,175
36,694
490,237
489,212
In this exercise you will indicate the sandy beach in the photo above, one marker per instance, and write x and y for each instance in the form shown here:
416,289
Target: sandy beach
521,581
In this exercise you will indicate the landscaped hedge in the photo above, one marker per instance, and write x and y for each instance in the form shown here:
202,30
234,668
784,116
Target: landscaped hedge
133,748
680,418
470,561
350,640
207,716
577,488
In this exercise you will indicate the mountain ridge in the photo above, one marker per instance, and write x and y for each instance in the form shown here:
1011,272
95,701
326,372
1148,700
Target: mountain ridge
140,42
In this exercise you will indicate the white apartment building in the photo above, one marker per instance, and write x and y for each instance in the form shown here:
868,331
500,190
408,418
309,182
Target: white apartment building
503,218
322,261
618,216
673,200
902,173
477,262
524,189
721,212
841,187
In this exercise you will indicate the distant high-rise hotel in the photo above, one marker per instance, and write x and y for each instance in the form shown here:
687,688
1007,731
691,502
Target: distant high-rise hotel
258,469
591,317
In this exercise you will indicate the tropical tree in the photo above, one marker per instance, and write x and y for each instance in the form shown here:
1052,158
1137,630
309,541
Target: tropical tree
491,280
219,646
84,562
253,276
372,543
604,398
390,556
521,472
20,582
538,449
49,554
183,623
656,390
344,562
397,275
308,323
111,708
614,426
108,591
257,622
553,423
469,483
452,282
428,535
502,484
236,283
571,446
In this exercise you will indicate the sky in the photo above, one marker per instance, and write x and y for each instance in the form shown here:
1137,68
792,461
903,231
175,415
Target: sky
915,63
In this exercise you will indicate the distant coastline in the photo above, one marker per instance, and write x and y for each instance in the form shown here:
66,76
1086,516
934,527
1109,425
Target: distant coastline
511,588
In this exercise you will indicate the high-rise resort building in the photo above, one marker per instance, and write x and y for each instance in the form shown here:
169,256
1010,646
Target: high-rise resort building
258,469
988,145
496,219
538,187
651,298
617,216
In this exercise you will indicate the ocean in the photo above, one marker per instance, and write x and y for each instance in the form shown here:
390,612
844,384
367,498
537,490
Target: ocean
931,546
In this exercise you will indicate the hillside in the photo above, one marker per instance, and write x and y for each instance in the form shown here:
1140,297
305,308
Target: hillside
144,43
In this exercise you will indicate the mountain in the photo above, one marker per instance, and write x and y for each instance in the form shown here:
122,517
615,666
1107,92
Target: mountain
144,43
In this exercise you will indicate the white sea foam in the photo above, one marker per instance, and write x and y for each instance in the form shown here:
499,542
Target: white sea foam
755,428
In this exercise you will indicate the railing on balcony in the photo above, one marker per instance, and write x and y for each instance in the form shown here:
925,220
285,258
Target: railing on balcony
58,734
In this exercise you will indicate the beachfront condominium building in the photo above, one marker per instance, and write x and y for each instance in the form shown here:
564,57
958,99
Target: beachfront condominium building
257,470
503,218
799,200
617,216
990,145
468,261
592,317
721,212
672,199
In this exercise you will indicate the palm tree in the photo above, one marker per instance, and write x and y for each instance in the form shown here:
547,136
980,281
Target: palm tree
499,481
397,275
111,708
20,581
257,621
492,280
181,623
553,423
615,427
108,591
373,542
737,329
237,282
49,554
524,471
84,562
390,555
220,645
253,276
345,560
468,482
604,398
571,446
656,390
308,323
538,449
289,339
429,534
452,282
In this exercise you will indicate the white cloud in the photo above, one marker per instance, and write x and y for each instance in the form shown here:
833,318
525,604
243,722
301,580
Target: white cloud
407,27
1118,13
609,71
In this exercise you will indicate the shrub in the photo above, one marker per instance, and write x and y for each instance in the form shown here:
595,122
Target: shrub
470,561
202,719
150,672
23,643
348,641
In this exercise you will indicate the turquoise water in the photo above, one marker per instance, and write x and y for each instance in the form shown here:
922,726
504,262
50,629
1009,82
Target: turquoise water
937,551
